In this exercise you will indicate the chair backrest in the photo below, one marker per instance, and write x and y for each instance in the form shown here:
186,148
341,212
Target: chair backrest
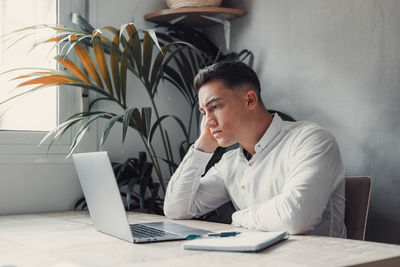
358,194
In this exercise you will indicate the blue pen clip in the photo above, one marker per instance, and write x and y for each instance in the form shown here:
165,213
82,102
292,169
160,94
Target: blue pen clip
223,234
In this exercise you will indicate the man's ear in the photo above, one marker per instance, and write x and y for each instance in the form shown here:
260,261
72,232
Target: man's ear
251,99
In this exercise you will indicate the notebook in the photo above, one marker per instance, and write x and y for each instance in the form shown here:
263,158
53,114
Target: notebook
107,210
244,242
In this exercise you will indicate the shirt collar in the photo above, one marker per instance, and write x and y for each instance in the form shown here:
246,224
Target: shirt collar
272,131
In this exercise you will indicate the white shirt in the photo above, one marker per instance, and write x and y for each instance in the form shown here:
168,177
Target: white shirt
294,182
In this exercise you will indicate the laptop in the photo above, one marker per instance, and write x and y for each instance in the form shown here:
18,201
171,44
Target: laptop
107,210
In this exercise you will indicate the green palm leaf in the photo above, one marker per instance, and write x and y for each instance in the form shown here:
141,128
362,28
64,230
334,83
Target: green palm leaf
62,128
153,36
114,61
134,43
126,121
57,131
157,122
83,24
123,73
138,122
147,55
156,67
91,104
178,81
180,46
83,129
108,128
62,131
146,120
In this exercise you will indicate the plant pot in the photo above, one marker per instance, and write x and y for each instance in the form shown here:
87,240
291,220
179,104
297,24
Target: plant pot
193,3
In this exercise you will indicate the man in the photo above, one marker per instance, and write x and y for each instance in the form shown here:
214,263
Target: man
285,176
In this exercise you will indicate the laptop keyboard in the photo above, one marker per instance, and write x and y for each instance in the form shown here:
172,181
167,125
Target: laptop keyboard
140,231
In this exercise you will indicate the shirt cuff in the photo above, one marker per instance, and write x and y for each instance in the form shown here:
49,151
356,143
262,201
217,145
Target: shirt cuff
198,154
243,218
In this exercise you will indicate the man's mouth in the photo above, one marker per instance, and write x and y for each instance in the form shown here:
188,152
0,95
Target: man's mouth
215,133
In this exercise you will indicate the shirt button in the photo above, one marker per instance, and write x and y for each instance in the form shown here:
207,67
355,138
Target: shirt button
251,164
243,187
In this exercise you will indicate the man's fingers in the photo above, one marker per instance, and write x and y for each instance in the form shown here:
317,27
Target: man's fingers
203,124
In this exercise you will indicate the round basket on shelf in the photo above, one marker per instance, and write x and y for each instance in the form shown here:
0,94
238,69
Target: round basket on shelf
192,3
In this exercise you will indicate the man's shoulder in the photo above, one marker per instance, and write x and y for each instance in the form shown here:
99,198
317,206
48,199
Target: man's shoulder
306,131
227,161
230,156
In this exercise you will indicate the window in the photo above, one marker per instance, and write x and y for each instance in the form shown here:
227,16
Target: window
24,113
24,122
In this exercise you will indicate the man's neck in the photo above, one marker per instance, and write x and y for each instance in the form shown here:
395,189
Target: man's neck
258,127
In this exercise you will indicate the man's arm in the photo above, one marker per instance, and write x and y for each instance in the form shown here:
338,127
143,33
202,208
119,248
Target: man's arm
188,195
315,170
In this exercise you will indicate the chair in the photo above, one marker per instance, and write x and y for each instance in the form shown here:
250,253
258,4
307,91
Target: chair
358,194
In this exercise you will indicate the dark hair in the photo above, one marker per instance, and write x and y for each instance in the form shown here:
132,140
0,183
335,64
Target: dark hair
233,74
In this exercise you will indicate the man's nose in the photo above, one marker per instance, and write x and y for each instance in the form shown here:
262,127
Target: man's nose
210,121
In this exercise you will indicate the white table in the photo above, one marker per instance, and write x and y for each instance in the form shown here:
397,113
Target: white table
69,239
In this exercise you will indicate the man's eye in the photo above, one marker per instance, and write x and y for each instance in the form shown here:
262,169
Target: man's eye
216,106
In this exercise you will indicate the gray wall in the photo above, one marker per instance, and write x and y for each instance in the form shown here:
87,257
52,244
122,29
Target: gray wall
336,63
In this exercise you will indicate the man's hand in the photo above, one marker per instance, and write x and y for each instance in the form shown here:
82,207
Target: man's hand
241,218
206,142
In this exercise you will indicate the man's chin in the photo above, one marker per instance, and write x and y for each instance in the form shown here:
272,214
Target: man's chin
224,143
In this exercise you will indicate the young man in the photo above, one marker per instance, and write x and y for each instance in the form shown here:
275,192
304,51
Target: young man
285,176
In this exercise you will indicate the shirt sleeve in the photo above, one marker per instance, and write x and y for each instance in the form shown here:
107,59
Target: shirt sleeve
188,194
314,171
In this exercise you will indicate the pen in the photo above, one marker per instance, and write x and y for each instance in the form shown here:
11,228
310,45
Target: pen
223,234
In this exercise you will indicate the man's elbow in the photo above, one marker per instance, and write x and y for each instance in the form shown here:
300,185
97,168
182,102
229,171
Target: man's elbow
295,228
298,224
175,213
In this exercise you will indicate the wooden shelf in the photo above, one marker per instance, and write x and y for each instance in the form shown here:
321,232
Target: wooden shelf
193,15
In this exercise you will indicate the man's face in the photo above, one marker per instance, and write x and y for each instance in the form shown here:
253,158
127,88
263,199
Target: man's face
224,111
